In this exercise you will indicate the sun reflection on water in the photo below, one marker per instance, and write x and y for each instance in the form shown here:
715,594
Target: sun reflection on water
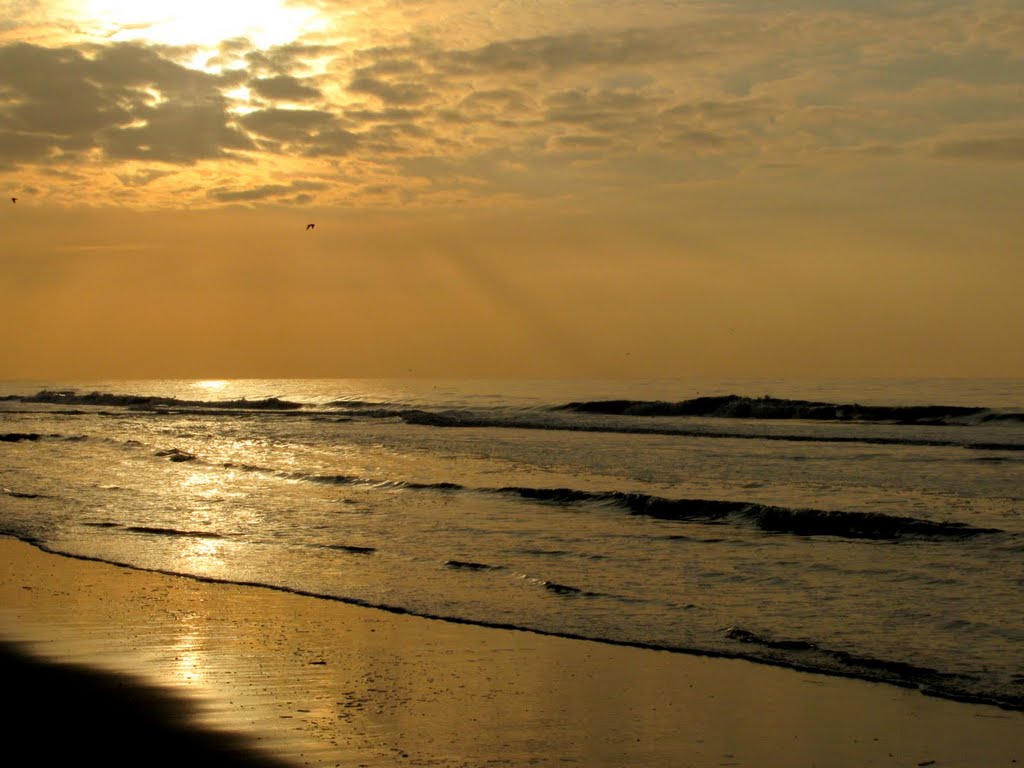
206,485
202,556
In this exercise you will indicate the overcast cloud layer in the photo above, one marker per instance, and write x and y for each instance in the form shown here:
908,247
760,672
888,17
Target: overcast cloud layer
417,109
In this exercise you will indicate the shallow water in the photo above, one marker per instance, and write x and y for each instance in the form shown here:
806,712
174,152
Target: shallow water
883,543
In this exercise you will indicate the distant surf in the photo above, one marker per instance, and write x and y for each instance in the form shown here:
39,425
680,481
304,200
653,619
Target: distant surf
737,407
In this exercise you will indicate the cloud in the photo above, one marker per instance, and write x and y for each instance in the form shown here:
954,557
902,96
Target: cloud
391,93
126,99
601,110
617,49
571,99
700,139
503,101
277,60
283,87
138,65
389,115
332,142
18,147
723,109
1009,149
143,177
310,132
48,96
581,142
179,133
266,191
286,124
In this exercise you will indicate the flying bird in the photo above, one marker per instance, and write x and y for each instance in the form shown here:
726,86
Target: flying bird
310,226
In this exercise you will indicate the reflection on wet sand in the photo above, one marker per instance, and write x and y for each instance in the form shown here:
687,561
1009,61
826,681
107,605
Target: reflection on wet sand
321,683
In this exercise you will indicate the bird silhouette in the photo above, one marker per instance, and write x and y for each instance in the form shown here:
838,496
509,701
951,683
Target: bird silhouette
14,199
310,226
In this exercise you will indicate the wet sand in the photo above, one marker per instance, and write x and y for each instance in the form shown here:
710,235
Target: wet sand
232,675
65,714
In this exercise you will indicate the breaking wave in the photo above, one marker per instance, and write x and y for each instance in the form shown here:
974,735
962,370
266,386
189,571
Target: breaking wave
805,654
774,519
737,407
631,416
801,522
17,437
147,402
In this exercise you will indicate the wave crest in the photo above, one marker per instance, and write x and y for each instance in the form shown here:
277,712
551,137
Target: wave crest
738,407
147,402
806,654
801,522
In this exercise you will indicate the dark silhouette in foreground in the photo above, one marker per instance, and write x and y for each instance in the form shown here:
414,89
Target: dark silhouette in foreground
310,226
64,714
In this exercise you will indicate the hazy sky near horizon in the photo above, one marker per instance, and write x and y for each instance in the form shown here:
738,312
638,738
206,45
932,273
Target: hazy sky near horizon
511,188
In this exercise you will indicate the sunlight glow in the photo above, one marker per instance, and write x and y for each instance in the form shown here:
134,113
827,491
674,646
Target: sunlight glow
156,97
240,100
189,663
199,22
202,556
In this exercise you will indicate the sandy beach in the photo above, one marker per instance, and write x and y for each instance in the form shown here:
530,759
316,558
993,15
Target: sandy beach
257,676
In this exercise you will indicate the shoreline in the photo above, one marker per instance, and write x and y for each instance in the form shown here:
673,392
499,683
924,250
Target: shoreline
317,682
1012,706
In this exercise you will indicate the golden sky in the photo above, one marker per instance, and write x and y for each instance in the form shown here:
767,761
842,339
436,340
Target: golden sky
511,188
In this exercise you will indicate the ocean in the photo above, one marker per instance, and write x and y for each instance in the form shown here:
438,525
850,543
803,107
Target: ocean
871,529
